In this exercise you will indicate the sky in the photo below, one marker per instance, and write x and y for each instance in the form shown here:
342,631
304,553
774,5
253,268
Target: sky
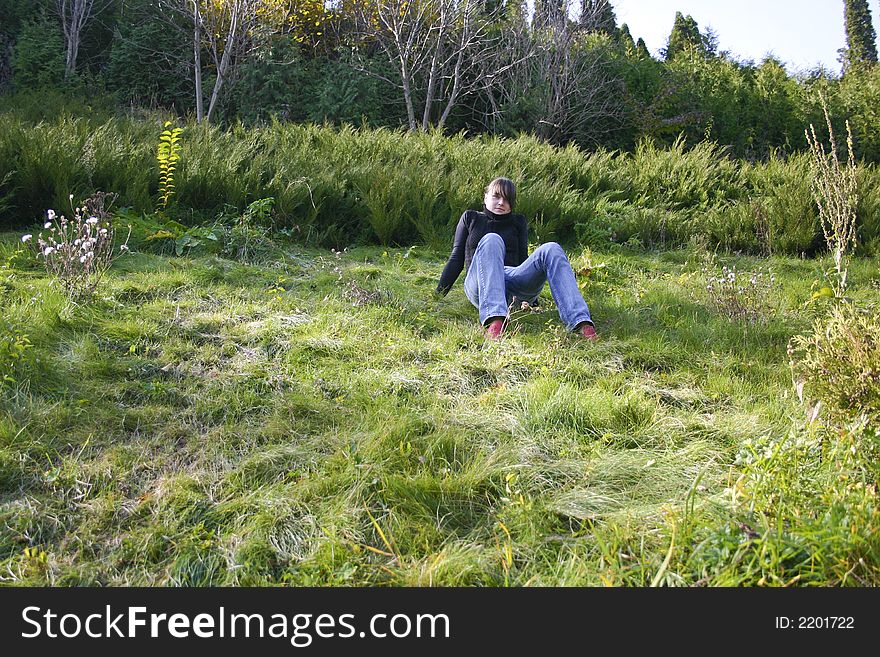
801,33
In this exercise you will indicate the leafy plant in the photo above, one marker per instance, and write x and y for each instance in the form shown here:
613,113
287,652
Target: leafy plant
14,344
838,364
168,154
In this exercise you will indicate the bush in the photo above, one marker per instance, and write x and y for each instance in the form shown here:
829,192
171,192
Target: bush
338,186
148,63
38,58
839,363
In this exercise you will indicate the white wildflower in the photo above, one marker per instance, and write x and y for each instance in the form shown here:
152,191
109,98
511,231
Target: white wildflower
48,224
123,247
25,238
48,251
82,259
92,220
51,214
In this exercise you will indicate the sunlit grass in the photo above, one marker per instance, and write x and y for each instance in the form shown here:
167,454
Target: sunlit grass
322,418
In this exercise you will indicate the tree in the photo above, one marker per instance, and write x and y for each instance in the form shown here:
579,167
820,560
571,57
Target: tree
75,15
149,63
860,34
549,12
685,36
598,16
38,56
227,29
435,48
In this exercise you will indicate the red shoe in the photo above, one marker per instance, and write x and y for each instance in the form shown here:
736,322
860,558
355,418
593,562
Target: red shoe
587,331
494,329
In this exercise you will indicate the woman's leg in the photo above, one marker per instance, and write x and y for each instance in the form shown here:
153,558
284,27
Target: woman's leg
484,284
548,263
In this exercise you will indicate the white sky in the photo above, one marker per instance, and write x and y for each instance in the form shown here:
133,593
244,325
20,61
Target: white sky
801,33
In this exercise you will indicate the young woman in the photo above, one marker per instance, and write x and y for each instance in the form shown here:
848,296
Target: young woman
493,246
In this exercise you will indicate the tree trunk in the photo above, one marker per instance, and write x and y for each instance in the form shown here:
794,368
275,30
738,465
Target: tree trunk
407,97
197,61
223,66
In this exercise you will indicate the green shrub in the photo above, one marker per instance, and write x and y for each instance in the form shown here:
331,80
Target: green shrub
340,186
38,58
839,363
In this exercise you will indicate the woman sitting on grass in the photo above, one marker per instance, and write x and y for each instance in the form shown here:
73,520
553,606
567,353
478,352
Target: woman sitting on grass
493,246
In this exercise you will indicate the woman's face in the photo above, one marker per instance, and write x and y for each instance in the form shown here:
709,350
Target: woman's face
495,202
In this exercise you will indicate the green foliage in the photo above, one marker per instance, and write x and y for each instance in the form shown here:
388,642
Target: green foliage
859,93
598,15
168,154
686,39
417,185
275,81
147,60
861,38
38,58
809,505
838,364
14,347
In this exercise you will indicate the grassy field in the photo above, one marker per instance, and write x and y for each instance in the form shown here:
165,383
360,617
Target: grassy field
320,418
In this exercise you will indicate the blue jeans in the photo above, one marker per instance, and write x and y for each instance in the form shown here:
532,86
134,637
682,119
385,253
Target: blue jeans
491,286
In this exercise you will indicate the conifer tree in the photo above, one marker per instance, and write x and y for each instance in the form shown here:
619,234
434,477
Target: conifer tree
861,46
685,35
548,12
598,16
626,39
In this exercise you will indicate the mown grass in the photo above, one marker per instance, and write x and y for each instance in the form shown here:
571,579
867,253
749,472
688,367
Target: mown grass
321,418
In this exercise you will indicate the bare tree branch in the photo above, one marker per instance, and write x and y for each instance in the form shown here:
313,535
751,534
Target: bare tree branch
75,15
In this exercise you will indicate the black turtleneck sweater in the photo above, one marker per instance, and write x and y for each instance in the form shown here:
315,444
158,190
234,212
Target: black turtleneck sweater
471,228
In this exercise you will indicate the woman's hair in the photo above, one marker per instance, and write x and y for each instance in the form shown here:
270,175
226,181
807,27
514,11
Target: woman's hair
505,187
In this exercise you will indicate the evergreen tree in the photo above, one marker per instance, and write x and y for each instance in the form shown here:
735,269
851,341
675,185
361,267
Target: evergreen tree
13,15
642,49
493,7
626,39
861,46
685,35
548,12
598,16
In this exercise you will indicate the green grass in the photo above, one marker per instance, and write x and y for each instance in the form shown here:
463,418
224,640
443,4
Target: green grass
321,419
338,186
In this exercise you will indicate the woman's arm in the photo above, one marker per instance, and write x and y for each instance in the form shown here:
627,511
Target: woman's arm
456,259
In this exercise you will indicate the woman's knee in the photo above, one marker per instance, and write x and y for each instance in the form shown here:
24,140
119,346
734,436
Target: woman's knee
552,248
491,240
